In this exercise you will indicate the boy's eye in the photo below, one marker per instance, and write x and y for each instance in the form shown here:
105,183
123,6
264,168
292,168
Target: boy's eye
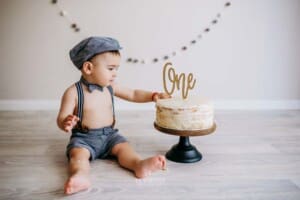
113,68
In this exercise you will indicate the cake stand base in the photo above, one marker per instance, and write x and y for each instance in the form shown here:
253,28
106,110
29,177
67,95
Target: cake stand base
184,152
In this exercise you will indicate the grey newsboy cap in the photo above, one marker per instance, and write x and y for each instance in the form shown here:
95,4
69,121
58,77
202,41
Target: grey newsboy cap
91,46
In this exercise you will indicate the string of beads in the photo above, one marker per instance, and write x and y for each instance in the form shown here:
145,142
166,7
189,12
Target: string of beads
167,56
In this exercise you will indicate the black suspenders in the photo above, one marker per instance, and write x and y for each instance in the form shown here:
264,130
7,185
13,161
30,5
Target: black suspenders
112,99
81,101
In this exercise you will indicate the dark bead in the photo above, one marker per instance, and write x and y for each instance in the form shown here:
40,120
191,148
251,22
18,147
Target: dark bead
155,60
135,61
214,21
73,25
54,1
166,57
77,29
184,48
227,4
207,30
193,42
129,60
62,13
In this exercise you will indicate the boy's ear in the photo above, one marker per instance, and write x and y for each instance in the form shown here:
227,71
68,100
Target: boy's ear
87,67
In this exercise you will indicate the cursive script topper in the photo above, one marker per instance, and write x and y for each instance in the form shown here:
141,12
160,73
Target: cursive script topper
181,82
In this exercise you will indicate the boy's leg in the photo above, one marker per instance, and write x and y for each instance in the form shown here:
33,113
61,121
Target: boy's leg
129,159
79,167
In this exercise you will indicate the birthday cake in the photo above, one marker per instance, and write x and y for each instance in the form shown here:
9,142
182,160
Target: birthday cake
193,113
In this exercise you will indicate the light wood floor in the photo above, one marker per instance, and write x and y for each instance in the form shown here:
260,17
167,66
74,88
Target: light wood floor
252,155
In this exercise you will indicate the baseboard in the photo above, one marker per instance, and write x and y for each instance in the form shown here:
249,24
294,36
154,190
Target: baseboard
20,105
257,104
16,105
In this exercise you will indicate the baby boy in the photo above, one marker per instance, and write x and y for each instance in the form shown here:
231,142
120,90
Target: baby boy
87,110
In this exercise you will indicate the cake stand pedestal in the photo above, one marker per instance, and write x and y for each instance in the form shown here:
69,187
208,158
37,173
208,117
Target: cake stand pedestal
184,151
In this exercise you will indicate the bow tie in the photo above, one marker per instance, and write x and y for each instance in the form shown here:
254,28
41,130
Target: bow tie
91,87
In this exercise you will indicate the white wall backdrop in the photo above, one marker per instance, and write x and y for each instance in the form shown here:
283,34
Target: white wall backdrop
249,59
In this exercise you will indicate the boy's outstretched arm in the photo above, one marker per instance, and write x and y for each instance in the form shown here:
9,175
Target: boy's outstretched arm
136,95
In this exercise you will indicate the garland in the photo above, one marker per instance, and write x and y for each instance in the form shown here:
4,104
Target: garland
76,29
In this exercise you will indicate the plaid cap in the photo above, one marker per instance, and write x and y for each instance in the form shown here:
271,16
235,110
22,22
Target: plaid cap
91,46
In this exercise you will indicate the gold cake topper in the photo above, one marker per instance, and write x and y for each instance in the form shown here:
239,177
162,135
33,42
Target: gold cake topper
178,81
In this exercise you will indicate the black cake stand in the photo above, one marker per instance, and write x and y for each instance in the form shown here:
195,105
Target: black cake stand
184,151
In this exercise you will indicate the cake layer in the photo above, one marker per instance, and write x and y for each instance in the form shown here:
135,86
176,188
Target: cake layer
194,113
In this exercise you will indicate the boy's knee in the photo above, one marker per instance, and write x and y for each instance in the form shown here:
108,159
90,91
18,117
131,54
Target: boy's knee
119,148
79,153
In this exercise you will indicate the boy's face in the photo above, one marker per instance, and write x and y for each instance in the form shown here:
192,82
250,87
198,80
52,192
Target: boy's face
105,68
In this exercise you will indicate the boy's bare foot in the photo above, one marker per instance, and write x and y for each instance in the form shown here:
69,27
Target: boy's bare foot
149,165
76,183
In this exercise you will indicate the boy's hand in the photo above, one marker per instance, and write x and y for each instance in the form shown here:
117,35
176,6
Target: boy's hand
157,96
69,122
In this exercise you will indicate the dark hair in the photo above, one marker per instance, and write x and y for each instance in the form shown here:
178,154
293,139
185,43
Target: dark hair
114,52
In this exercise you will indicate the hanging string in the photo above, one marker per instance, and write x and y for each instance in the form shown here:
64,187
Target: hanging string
76,28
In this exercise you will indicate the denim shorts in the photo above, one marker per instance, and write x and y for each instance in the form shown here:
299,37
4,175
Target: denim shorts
99,142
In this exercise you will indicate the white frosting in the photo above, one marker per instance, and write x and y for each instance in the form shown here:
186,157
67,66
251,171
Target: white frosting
194,113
